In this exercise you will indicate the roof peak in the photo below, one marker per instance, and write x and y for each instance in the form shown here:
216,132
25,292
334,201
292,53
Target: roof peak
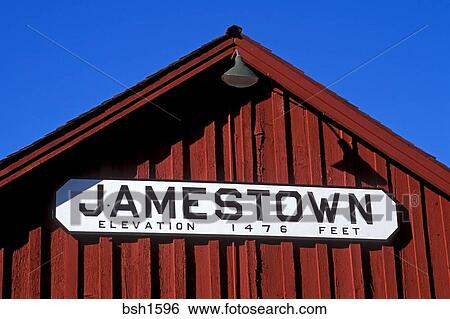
234,31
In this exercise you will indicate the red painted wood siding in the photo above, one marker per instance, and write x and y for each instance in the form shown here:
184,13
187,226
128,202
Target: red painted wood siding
244,140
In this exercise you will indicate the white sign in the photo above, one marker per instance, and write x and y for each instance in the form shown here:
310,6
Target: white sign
204,208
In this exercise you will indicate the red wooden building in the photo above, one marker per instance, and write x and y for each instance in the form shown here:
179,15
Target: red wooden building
285,129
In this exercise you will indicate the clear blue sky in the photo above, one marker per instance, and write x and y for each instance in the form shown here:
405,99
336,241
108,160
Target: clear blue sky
407,88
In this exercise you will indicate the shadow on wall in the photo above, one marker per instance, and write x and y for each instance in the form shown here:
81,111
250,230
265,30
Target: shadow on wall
361,168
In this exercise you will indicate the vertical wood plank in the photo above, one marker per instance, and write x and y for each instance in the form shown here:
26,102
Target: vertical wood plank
172,255
106,264
339,164
172,261
207,265
228,154
306,164
244,144
229,175
129,270
98,269
232,270
135,256
35,263
26,264
272,166
242,123
64,265
135,267
411,244
91,271
98,252
438,216
19,272
372,172
247,269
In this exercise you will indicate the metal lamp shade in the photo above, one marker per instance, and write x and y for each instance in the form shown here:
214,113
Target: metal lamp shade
239,75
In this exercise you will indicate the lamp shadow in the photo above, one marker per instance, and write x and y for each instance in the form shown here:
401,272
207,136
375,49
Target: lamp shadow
360,167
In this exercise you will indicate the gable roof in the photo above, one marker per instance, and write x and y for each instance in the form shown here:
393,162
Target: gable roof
263,60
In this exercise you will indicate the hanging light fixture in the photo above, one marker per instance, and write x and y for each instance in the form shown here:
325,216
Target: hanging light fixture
239,76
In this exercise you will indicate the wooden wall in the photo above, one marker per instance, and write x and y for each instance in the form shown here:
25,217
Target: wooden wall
243,139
